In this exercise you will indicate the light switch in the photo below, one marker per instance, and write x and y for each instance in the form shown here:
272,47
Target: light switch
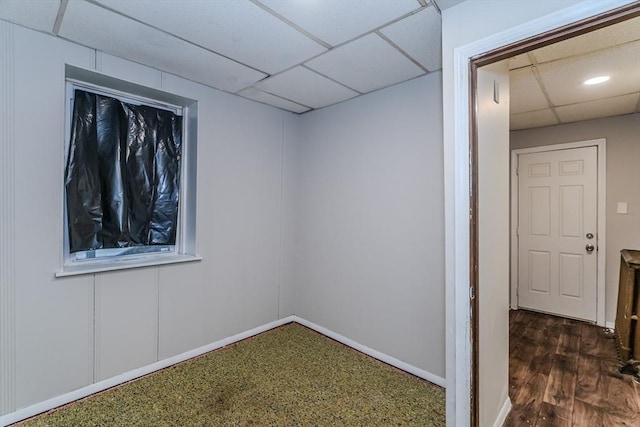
622,207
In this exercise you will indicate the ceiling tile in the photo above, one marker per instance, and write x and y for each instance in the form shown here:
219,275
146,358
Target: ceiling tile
519,61
618,34
564,79
238,29
419,35
366,64
267,98
532,119
96,27
36,14
525,92
306,87
337,21
608,107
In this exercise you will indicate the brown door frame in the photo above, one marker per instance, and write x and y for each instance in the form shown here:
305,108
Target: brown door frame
566,32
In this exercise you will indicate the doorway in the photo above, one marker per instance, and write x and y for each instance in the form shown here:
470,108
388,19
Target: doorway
462,57
558,233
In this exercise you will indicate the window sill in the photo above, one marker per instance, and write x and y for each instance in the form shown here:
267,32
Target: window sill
123,264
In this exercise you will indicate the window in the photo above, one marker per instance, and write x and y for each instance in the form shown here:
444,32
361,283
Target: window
128,200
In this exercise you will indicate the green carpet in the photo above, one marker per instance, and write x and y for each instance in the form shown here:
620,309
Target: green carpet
290,376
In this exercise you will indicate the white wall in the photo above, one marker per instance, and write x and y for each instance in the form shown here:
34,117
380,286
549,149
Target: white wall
291,171
493,241
623,182
59,335
368,261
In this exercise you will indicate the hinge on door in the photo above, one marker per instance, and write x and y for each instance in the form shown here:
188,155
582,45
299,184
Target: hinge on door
472,294
517,171
517,231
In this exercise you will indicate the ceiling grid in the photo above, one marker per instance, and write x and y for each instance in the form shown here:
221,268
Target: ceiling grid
561,69
303,55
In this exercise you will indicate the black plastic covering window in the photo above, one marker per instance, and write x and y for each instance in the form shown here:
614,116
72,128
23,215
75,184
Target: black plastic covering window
122,174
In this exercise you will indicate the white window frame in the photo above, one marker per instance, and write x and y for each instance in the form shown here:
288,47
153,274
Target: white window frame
93,261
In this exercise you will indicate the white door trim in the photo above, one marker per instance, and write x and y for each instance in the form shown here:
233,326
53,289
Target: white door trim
601,145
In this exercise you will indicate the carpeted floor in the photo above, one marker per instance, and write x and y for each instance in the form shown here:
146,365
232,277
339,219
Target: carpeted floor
290,376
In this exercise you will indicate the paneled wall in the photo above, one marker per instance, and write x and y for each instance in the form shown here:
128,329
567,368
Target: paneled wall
61,334
7,222
368,261
54,328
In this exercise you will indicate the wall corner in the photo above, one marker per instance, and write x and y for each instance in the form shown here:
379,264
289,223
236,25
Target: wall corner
7,221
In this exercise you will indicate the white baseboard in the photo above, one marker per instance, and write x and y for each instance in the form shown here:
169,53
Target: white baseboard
80,393
435,379
504,413
83,392
610,325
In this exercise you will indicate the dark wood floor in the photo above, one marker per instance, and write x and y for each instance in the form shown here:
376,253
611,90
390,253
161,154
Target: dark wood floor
565,373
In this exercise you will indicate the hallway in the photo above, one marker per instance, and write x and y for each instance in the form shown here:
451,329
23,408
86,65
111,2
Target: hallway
563,372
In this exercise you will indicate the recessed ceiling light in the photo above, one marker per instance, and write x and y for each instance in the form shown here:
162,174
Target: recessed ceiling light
597,80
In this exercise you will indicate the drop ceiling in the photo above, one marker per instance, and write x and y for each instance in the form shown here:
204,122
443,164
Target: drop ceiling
297,55
547,84
300,55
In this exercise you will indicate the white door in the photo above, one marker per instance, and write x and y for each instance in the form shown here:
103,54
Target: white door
557,235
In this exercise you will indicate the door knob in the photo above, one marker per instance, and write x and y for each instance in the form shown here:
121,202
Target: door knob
589,248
